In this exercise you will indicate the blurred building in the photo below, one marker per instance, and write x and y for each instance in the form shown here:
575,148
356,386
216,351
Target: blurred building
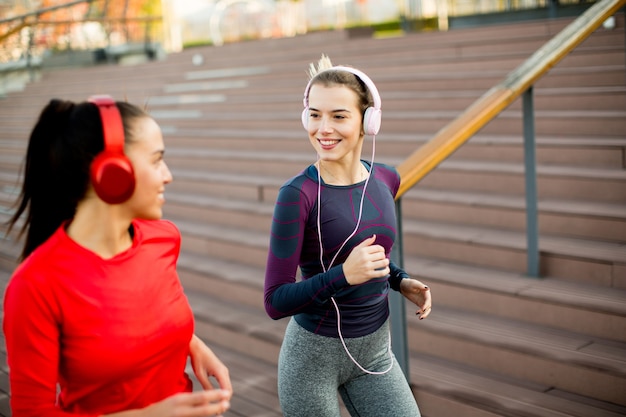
174,24
218,21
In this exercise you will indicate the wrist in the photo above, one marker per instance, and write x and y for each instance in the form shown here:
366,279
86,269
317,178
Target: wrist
194,343
403,283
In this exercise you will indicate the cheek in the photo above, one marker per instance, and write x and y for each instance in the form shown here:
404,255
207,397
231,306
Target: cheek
145,177
312,137
312,126
352,130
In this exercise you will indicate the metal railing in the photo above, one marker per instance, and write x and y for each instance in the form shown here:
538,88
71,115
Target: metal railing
518,83
43,27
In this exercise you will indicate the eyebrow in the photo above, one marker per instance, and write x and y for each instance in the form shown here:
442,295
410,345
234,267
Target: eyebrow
332,111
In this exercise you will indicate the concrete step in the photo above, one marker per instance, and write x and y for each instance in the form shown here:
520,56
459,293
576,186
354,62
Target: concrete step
554,182
567,218
586,261
9,253
580,260
118,79
445,388
607,123
548,302
227,243
559,217
553,304
446,78
583,151
562,218
586,123
548,98
481,43
9,190
596,360
562,360
550,150
243,187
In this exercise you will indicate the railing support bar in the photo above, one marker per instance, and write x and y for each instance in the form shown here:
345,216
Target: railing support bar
530,173
397,309
553,5
29,53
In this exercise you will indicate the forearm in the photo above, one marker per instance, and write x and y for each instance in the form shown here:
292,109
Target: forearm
287,299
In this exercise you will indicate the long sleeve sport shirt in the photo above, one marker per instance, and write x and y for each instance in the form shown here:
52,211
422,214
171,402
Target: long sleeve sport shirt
110,334
295,250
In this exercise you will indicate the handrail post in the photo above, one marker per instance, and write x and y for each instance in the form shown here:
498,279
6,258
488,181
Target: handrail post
530,173
29,51
552,8
396,304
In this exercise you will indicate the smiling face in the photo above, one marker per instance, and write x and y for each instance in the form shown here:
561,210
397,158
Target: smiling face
145,152
335,123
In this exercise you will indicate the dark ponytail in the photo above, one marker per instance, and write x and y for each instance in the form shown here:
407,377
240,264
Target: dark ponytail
62,145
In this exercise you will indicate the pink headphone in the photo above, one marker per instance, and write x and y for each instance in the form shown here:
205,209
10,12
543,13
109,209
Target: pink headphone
372,116
111,172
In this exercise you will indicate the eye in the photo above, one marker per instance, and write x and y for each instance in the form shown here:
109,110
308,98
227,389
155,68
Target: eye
158,160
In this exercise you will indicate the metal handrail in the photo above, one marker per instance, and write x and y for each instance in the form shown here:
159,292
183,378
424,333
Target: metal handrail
33,19
39,12
30,18
494,101
445,142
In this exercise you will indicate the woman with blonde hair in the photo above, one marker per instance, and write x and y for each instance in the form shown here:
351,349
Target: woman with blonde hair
336,223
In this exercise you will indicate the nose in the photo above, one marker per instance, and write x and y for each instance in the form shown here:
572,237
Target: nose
167,174
325,125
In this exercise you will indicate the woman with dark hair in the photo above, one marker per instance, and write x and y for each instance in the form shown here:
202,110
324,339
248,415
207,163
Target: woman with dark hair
336,223
95,318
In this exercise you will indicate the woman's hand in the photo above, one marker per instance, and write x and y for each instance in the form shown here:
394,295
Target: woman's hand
189,404
365,262
419,294
206,364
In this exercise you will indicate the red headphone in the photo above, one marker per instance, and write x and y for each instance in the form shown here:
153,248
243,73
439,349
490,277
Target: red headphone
111,172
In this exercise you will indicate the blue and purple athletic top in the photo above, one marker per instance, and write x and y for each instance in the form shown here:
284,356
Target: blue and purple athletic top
294,243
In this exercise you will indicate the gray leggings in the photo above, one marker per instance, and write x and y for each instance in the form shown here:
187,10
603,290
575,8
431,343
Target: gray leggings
312,368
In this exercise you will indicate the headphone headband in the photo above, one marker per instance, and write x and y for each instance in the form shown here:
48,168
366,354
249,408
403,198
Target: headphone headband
361,75
371,117
113,128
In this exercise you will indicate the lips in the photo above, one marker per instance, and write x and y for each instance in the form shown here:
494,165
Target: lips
328,143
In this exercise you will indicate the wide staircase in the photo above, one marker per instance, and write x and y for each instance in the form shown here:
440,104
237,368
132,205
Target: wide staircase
498,343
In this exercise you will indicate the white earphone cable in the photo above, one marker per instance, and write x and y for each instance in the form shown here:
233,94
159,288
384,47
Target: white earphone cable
356,228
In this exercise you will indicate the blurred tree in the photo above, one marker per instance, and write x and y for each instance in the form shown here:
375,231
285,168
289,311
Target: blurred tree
124,18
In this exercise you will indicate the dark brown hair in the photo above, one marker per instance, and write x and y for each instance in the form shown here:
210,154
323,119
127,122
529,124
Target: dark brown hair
62,145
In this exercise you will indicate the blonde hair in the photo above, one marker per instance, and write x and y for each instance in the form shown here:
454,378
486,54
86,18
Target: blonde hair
323,73
323,64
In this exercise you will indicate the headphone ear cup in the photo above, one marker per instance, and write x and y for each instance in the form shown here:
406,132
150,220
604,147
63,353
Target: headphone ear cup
305,118
372,120
113,177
